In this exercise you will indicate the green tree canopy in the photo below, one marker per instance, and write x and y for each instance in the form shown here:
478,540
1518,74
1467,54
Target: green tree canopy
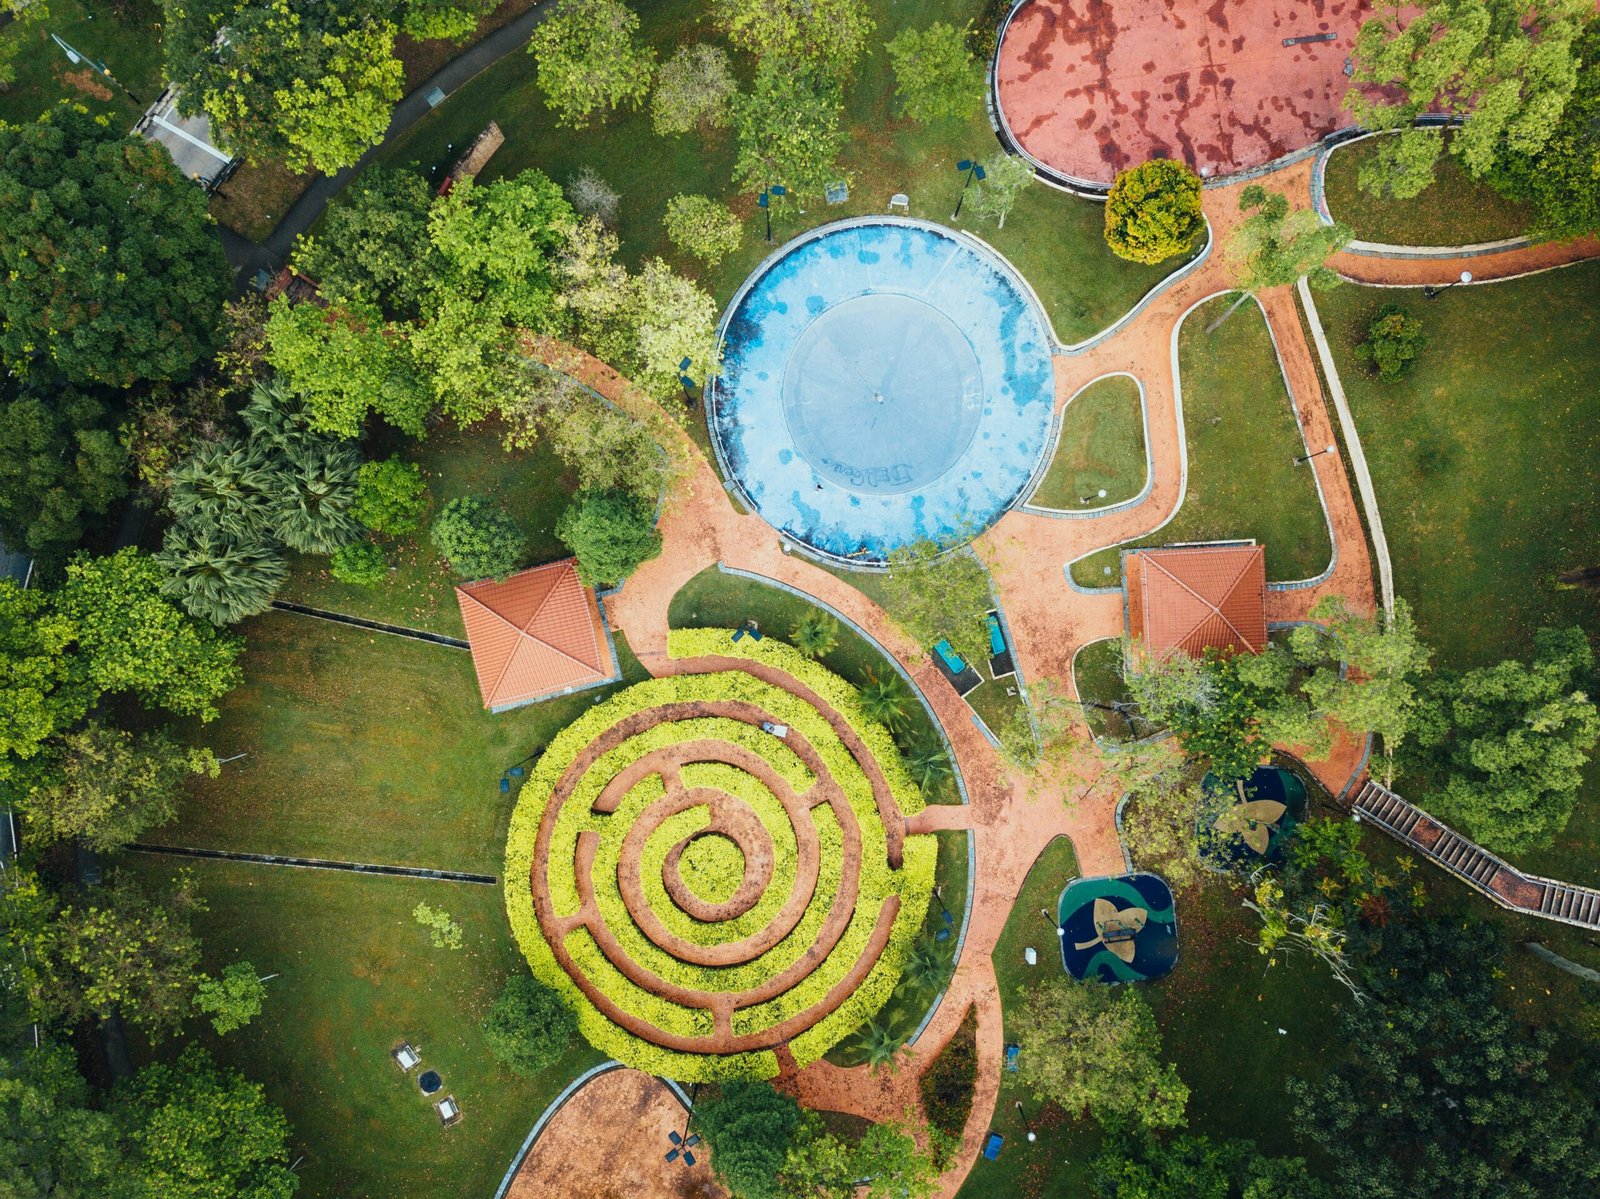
391,496
673,319
611,533
1394,339
1153,212
825,36
750,1128
1095,1050
1273,246
934,598
1198,1168
53,1142
935,75
1007,176
703,227
232,999
1508,67
884,1163
788,130
694,88
1448,1095
478,539
219,578
113,270
44,685
529,1026
1506,745
106,785
60,465
589,59
373,246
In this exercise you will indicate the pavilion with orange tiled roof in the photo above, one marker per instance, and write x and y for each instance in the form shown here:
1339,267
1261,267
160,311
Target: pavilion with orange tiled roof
1195,598
536,635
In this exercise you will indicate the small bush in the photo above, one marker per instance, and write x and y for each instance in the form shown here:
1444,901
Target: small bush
693,88
947,1086
479,540
361,563
529,1027
1394,339
390,496
815,634
593,196
444,932
1153,212
700,226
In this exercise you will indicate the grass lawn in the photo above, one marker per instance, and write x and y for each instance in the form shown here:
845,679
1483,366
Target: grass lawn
1483,460
1100,447
357,975
130,45
1097,671
1056,1165
715,600
533,486
1242,439
363,747
1456,210
907,1005
1054,239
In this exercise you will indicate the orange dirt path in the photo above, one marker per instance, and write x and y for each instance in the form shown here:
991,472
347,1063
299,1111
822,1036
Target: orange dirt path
607,1142
1012,815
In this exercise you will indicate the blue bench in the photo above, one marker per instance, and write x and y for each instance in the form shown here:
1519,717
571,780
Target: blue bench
991,1147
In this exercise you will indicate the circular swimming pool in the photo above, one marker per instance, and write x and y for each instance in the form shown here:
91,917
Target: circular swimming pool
883,382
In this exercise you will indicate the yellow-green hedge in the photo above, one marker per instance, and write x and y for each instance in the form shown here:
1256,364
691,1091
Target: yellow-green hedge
913,882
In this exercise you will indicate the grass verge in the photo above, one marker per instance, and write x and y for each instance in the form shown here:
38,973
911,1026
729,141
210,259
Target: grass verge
128,42
1242,439
1097,673
1100,449
1457,210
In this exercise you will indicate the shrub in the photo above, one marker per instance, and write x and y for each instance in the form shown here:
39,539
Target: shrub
694,88
700,226
1394,339
529,1026
361,563
815,634
390,496
712,867
935,75
611,533
593,196
947,1085
1153,212
443,931
478,539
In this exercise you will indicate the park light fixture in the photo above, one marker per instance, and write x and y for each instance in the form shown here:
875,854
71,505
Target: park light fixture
1327,449
764,200
972,169
1433,293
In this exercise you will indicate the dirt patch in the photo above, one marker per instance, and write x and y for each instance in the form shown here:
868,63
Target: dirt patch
87,82
609,1141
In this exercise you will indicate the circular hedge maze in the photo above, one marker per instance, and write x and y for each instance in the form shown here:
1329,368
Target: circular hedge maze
713,866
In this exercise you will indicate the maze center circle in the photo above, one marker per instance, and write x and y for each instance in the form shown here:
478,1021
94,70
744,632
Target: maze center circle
704,887
882,393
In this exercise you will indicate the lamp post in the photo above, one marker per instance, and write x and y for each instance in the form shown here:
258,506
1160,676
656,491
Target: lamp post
972,170
1327,449
685,382
1099,495
99,68
1032,1136
764,200
1433,293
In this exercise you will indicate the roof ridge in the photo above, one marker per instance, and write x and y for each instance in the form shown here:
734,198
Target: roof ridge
543,603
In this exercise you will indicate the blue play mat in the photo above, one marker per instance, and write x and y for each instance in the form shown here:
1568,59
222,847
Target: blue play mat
1122,928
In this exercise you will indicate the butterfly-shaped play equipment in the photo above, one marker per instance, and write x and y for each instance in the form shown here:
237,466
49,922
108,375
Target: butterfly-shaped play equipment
1116,928
1253,821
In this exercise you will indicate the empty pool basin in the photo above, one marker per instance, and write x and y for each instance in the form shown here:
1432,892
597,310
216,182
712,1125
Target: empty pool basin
884,382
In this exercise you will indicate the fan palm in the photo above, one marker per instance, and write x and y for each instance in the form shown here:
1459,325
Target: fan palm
225,487
927,764
925,966
815,634
217,579
311,512
884,701
277,417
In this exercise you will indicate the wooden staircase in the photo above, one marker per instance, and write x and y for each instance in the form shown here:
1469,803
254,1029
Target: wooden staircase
1476,866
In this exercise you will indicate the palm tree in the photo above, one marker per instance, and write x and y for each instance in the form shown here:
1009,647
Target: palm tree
217,579
311,512
882,1045
815,634
884,701
225,487
925,966
277,417
927,764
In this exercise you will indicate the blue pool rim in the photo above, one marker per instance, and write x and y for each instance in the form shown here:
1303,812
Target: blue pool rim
730,478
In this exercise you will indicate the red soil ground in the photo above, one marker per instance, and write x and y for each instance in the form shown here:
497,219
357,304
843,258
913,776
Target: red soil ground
607,1142
1088,87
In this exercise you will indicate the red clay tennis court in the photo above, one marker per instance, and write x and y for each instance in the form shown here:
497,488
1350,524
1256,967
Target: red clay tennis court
1087,87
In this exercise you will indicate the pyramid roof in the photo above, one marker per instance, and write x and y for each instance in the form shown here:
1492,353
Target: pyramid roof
1195,598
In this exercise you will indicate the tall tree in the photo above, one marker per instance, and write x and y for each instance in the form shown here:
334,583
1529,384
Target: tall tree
44,684
674,320
750,1128
60,465
935,75
113,270
53,1143
611,532
106,785
1096,1051
789,131
694,88
529,1026
373,243
1198,1168
884,1163
589,59
232,999
135,640
328,122
311,512
216,577
1507,67
934,597
1447,1095
1508,743
1007,176
826,36
1274,246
